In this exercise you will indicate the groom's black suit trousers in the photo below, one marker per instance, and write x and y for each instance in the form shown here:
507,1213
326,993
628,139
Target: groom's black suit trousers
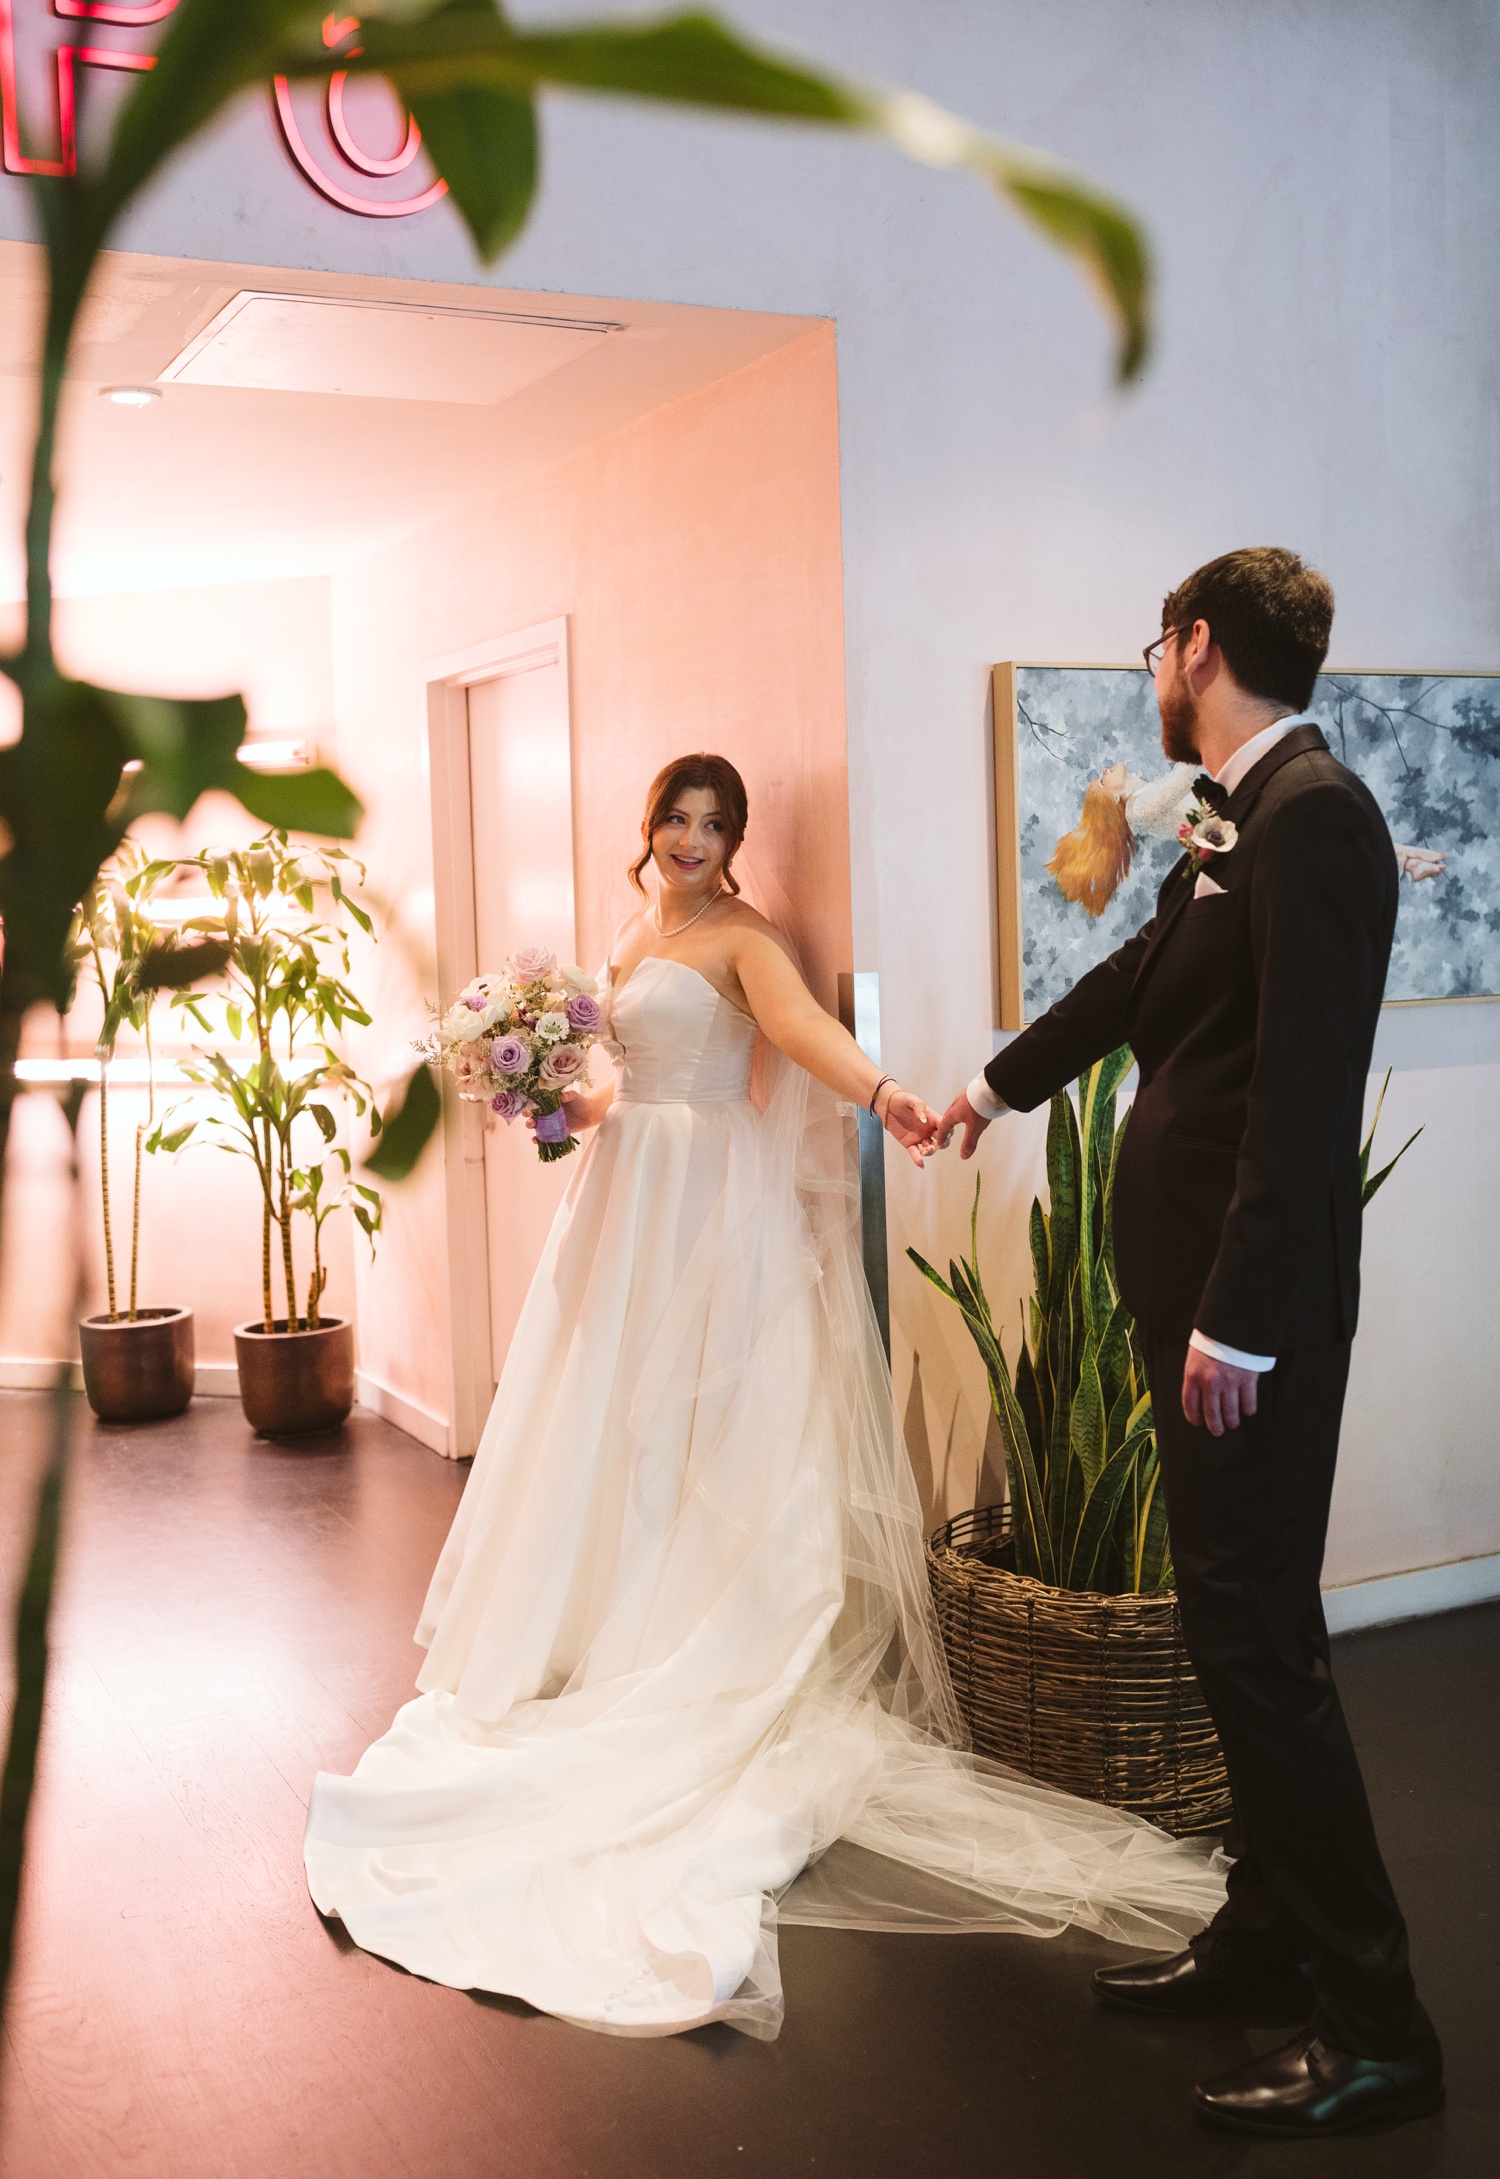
1251,1009
1248,1515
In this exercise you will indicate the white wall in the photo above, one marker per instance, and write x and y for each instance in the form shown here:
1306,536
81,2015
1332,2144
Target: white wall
1321,179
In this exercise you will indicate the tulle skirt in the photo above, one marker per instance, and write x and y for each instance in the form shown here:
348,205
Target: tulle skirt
682,1676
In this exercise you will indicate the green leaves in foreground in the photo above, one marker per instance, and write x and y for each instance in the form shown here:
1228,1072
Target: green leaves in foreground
471,78
88,763
1087,1507
409,1126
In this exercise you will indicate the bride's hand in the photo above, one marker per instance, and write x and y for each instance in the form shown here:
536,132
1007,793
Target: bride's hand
586,1108
913,1123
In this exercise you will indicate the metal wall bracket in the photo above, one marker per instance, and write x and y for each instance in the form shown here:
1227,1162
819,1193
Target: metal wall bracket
859,1010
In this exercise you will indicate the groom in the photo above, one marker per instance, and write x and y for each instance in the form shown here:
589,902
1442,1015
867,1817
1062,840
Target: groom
1250,1000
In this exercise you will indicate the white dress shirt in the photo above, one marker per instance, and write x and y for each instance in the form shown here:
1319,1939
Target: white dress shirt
990,1107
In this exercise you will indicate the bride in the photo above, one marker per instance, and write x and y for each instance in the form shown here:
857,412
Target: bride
682,1678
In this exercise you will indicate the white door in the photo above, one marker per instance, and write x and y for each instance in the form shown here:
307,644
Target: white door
521,812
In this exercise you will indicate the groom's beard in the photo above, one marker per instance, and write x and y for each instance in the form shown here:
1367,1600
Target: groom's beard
1179,721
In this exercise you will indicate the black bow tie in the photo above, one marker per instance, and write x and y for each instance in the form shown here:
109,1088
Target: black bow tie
1211,793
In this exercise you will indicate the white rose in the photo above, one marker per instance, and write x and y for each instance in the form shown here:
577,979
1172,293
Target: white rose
579,979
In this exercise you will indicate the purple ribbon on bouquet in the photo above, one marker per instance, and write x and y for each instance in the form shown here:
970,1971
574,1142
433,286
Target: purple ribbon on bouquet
552,1127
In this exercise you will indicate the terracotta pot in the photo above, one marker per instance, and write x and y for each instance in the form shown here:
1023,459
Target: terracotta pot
295,1383
141,1371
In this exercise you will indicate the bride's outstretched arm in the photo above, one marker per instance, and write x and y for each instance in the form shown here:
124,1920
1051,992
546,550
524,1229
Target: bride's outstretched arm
793,1020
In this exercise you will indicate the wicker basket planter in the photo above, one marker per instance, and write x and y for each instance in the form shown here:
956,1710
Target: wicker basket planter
1092,1694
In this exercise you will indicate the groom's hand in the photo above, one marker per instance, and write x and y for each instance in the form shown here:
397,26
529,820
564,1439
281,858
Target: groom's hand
961,1114
1217,1396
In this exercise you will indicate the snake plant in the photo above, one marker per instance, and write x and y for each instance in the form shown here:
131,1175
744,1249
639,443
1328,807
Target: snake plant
1087,1506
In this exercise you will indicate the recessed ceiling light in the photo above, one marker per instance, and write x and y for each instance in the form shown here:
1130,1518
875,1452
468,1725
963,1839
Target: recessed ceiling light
275,756
131,397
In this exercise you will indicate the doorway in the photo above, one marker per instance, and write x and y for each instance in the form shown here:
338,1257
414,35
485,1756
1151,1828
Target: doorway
502,750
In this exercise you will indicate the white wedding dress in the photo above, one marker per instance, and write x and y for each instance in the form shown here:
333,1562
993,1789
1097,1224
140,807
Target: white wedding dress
679,1640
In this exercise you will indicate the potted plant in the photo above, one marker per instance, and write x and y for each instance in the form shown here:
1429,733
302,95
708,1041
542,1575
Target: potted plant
1058,1609
284,1000
137,1362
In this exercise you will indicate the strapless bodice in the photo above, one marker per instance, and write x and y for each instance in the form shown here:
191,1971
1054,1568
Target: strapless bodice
677,1040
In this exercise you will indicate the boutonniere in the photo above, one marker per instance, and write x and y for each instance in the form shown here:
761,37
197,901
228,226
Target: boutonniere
1205,831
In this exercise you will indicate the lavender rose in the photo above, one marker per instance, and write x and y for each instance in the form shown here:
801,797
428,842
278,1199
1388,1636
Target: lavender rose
531,965
510,1104
510,1055
563,1064
584,1013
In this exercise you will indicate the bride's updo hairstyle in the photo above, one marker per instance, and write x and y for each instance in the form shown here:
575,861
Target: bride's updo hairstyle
702,770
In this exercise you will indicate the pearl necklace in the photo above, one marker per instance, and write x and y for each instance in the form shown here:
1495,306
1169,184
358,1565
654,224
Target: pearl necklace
681,927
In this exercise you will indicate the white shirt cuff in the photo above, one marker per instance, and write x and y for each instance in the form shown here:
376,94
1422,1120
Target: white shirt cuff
1234,1355
984,1100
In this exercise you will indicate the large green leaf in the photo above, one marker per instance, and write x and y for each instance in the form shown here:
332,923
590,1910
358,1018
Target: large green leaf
1087,1424
483,141
1092,1535
1034,1549
33,1614
1041,1260
690,60
1153,1563
315,801
697,60
1062,1185
58,789
409,1126
1029,1398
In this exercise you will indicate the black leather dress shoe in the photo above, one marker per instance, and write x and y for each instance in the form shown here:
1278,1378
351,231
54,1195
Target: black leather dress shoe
1186,1987
1306,2088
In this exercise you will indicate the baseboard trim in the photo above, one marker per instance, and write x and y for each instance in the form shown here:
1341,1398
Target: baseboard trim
1420,1594
23,1373
407,1414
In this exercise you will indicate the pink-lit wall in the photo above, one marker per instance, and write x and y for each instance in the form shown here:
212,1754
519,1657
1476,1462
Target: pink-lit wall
696,556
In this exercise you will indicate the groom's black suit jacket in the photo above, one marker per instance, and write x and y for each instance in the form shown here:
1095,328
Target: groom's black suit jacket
1252,1016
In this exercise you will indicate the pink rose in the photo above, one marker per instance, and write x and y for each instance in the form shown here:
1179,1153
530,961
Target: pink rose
563,1064
584,1013
531,965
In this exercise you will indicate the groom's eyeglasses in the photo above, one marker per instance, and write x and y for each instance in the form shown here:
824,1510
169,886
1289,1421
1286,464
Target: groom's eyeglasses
1152,652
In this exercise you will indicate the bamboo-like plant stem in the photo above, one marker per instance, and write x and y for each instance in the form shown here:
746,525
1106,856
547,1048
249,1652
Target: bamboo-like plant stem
315,1290
142,1128
292,1323
135,1218
109,1239
268,1321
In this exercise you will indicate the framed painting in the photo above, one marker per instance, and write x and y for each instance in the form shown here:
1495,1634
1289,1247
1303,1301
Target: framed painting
1427,746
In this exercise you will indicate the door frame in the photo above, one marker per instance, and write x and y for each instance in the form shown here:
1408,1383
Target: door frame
545,643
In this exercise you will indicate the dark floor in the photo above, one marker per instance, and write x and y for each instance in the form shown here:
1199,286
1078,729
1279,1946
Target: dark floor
236,1616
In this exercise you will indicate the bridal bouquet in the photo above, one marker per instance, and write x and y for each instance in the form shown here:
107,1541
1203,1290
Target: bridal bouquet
519,1039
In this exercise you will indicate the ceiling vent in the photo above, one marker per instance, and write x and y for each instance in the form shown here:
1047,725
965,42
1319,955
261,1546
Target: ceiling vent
382,351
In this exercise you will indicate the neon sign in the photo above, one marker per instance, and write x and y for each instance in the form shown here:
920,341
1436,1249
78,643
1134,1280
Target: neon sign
347,156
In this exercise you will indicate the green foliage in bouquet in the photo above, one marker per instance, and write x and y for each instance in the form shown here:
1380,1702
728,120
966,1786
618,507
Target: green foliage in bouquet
1087,1507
